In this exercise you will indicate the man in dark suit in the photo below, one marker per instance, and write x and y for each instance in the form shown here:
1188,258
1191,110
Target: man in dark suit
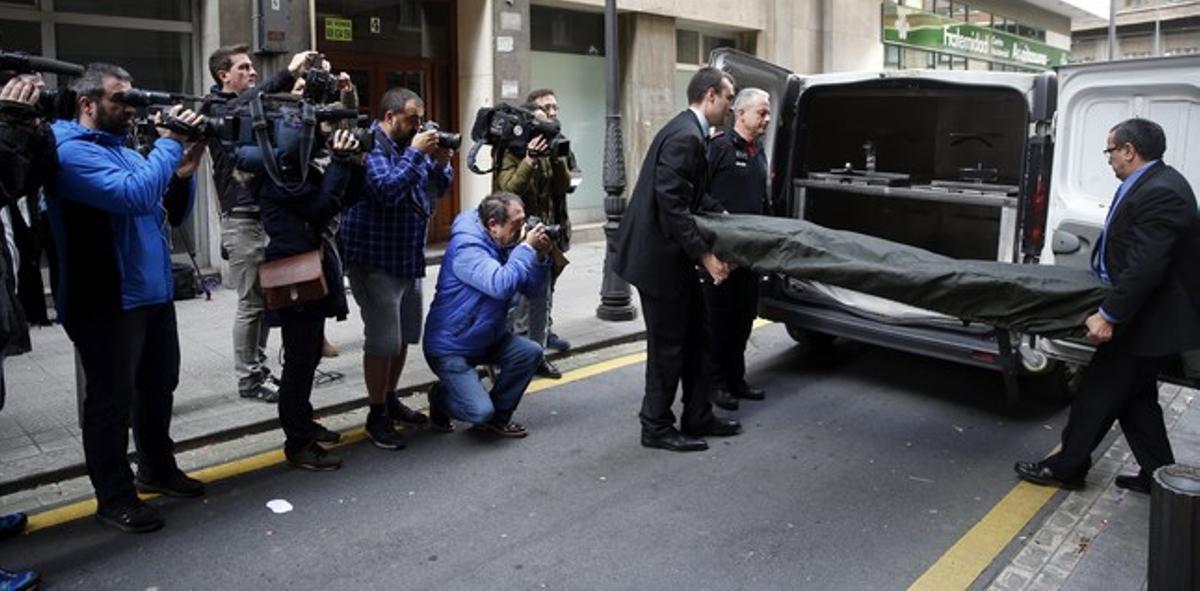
1147,253
658,247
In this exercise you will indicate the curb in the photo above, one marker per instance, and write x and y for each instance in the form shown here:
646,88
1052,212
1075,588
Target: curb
77,470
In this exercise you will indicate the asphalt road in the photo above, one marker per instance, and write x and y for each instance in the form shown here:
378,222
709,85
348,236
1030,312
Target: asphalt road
854,474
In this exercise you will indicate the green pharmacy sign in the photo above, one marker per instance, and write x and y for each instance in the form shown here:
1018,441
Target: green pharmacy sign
932,32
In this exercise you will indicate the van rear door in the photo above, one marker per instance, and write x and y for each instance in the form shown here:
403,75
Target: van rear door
1091,99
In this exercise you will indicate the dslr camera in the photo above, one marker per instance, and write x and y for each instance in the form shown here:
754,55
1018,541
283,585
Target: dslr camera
554,231
445,139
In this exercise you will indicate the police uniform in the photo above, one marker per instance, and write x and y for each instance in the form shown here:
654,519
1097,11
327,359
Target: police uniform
737,184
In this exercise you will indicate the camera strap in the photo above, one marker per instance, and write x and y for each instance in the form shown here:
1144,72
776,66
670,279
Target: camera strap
474,153
259,123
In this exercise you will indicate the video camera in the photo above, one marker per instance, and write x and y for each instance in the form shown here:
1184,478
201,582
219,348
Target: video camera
506,127
51,103
320,85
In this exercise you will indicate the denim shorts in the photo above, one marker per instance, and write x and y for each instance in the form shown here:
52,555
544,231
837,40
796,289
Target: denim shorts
390,308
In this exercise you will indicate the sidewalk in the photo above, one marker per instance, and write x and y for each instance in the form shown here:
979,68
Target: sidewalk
1098,537
39,429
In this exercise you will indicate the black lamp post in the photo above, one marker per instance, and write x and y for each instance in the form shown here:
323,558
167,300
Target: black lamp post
614,292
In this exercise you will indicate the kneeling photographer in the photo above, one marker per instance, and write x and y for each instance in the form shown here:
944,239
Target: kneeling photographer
539,172
302,177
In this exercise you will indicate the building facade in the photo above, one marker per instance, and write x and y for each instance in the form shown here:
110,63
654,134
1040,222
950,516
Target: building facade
461,55
1145,28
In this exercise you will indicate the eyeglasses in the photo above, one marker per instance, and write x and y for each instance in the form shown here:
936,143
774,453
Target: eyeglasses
1110,150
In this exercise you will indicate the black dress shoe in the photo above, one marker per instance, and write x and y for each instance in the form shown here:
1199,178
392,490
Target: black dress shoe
723,398
1135,483
134,517
1039,473
313,457
747,393
177,484
717,427
439,419
12,524
547,370
674,441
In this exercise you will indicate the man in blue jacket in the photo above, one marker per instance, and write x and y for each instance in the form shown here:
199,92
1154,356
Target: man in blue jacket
486,263
109,212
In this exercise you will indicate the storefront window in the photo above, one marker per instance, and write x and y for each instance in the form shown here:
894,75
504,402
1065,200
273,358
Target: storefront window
20,36
157,60
570,31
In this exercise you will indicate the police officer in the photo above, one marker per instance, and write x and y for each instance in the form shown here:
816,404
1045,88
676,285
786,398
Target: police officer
738,169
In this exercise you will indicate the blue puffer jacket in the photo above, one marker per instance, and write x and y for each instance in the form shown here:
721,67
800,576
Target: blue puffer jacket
476,282
108,211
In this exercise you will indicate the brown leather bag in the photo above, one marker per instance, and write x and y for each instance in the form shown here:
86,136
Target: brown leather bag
294,280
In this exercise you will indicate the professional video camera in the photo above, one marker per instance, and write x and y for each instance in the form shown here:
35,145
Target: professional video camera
320,85
51,103
506,127
552,230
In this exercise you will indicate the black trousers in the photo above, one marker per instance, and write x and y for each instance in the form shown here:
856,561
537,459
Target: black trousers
131,367
1116,387
675,351
730,309
303,333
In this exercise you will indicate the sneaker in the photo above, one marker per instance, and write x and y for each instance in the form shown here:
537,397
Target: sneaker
438,419
12,524
511,430
383,434
267,392
547,370
177,484
19,580
399,412
313,457
557,343
321,434
134,517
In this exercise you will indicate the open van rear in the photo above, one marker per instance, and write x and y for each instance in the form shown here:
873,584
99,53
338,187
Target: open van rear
959,163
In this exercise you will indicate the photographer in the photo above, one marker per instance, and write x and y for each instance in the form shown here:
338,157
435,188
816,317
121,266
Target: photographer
540,178
548,101
109,212
27,148
298,221
242,236
486,263
383,243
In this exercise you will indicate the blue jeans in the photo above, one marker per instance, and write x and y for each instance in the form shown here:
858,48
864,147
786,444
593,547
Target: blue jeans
463,396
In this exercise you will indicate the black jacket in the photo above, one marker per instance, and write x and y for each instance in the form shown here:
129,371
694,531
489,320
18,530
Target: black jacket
737,174
1152,254
300,223
658,244
230,192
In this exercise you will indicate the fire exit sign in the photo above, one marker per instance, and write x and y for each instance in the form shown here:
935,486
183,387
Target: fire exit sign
339,29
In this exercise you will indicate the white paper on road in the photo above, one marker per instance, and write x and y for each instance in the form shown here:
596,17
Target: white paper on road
279,506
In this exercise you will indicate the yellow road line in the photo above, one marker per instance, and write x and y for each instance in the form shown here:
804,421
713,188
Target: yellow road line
976,549
87,508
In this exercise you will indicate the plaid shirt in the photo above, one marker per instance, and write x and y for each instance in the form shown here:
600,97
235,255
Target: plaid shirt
387,229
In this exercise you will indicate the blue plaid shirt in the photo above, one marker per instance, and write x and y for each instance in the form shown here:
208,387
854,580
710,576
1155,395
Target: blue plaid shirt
387,230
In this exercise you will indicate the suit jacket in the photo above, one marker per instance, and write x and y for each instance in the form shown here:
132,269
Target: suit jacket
658,243
1152,255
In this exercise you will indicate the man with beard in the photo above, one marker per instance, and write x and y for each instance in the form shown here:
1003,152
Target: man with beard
383,244
109,212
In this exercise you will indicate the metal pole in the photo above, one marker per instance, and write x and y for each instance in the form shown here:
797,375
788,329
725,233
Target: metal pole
614,292
1112,30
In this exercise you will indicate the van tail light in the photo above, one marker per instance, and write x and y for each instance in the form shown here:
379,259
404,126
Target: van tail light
1037,201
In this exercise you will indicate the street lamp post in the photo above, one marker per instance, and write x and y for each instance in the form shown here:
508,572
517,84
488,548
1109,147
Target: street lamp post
614,292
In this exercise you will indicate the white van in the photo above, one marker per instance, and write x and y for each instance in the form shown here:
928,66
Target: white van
973,165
